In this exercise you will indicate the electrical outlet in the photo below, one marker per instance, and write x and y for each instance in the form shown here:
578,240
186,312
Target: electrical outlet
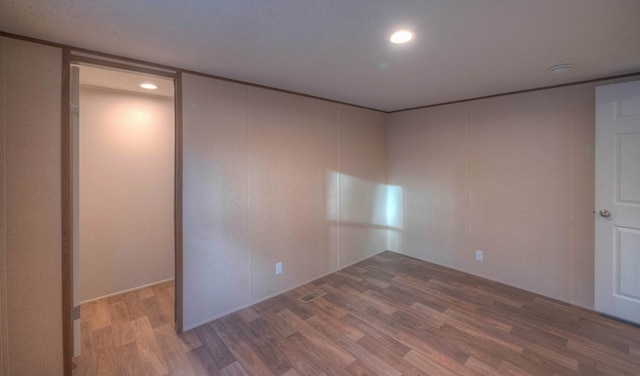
278,268
479,255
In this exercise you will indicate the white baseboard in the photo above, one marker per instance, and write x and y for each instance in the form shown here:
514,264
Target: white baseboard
125,291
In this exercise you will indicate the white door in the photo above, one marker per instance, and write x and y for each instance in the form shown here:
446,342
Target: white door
617,237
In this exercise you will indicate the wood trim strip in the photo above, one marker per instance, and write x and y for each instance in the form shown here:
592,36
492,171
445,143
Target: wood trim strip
178,205
220,78
32,40
67,214
177,70
180,70
116,65
83,50
4,306
520,92
121,60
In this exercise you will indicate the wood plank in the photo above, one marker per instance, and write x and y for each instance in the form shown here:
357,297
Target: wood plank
326,346
233,369
190,340
350,345
130,363
145,293
509,369
345,330
330,308
121,328
425,364
174,351
620,361
389,315
105,362
154,312
248,314
290,348
147,345
135,308
100,317
248,359
479,367
358,369
216,352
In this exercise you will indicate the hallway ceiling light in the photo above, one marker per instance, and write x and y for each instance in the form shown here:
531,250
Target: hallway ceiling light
401,36
148,86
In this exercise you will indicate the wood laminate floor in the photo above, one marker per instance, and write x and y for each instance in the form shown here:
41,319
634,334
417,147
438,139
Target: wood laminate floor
388,315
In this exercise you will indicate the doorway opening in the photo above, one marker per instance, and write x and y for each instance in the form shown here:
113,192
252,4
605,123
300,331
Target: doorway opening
123,222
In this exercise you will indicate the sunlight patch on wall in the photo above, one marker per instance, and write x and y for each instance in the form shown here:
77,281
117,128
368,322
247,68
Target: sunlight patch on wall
365,204
366,201
394,217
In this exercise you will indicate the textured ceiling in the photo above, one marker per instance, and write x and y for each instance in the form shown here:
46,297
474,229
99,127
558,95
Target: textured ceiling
339,49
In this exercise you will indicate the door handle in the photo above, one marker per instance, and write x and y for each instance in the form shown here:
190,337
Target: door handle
604,213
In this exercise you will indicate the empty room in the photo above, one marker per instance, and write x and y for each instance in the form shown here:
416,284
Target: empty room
276,187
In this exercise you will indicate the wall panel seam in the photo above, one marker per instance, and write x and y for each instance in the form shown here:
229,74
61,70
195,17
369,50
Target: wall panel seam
4,314
466,189
572,232
249,159
338,190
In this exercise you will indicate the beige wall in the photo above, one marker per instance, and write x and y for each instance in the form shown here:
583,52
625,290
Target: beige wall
263,183
294,154
511,176
427,163
126,191
31,82
362,184
216,252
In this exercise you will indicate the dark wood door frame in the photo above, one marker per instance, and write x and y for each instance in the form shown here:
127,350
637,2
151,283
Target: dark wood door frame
69,314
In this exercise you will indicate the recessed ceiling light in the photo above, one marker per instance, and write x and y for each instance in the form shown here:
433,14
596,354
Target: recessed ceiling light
401,36
561,68
148,86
